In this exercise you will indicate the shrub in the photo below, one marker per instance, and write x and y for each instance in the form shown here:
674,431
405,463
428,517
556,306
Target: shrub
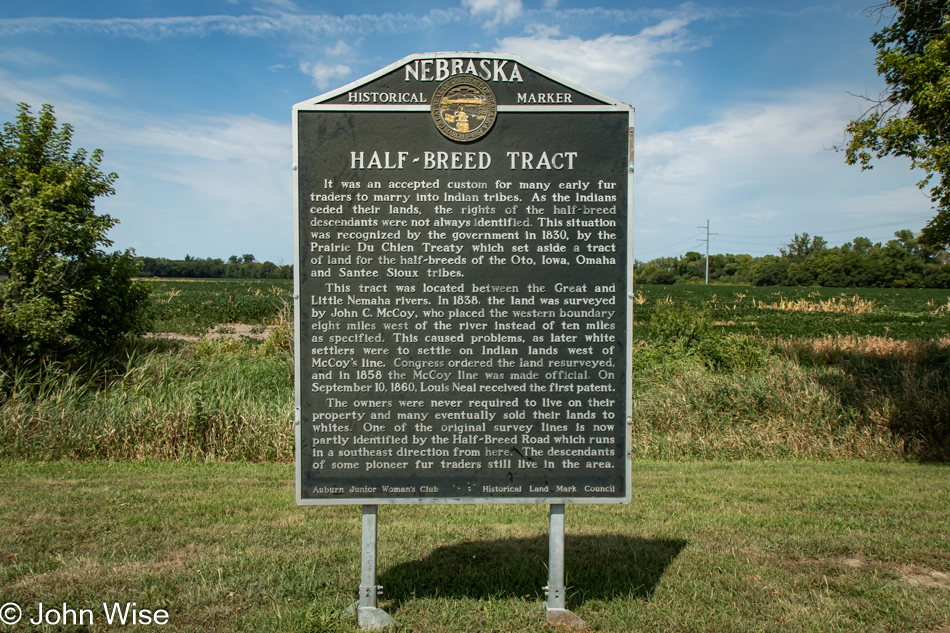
63,296
683,329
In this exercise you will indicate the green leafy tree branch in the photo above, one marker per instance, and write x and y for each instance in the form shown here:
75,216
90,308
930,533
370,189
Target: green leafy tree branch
61,295
911,117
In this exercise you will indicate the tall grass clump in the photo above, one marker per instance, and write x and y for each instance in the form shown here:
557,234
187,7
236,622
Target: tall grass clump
212,400
700,393
903,384
678,331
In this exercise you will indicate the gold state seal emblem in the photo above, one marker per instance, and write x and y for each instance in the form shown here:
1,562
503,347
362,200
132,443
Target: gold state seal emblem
464,108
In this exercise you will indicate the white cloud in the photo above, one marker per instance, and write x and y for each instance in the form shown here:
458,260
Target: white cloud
206,185
497,11
543,30
236,25
13,92
323,73
25,57
57,89
767,170
276,5
225,139
340,48
752,143
609,61
87,84
227,158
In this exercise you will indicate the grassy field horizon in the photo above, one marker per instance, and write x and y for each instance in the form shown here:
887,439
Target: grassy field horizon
194,305
705,386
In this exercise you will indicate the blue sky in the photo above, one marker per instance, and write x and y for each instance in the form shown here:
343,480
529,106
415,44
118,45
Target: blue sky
738,106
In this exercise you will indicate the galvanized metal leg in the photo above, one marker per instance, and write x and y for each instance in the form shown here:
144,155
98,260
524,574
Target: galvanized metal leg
369,617
556,590
557,612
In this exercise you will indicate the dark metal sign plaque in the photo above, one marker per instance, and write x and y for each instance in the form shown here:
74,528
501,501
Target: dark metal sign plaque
462,273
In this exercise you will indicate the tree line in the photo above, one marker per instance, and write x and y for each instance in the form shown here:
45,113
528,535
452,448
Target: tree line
903,262
236,267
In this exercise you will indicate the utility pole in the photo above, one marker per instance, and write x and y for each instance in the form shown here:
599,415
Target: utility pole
707,247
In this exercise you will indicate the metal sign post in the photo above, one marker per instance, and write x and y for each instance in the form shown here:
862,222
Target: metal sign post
368,615
557,612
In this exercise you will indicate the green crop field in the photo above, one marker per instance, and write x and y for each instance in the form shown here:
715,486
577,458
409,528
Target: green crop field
790,312
191,306
719,373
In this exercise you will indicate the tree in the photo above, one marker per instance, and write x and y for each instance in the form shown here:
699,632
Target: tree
63,295
912,116
770,271
800,247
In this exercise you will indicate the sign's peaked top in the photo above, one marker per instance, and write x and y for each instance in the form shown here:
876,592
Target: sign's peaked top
413,80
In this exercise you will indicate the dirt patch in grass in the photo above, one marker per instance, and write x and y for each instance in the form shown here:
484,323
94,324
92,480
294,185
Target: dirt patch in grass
220,332
924,577
854,562
910,575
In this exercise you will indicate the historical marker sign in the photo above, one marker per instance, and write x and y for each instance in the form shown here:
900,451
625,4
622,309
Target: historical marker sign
461,287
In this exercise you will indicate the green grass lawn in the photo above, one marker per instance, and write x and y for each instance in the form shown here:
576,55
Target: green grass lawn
741,546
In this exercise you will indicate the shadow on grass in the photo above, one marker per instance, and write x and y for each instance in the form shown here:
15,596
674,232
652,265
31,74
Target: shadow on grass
597,567
910,380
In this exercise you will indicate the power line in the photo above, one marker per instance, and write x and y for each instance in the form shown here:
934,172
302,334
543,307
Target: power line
876,226
660,248
743,242
750,240
859,228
